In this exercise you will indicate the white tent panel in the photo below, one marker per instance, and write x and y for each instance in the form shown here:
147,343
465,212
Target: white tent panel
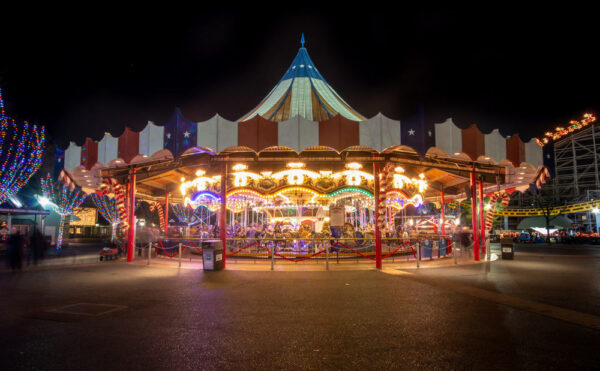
72,156
298,133
272,99
390,132
108,148
207,133
534,153
328,94
227,133
301,103
309,133
151,139
448,137
379,132
495,145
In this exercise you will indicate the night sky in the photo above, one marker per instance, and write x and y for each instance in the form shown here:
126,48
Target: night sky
521,70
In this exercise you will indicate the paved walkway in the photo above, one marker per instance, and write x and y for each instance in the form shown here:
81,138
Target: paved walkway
529,313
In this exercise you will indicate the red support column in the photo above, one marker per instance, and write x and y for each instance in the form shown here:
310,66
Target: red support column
443,215
474,217
223,211
167,214
131,221
378,260
481,219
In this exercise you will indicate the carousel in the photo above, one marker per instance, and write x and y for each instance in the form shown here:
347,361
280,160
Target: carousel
303,174
299,204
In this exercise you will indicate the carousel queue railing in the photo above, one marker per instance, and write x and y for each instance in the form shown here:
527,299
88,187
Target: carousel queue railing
296,249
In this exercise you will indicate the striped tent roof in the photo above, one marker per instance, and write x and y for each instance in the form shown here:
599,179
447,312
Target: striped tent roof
302,91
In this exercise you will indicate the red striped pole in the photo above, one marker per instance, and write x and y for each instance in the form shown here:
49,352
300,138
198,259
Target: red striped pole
481,218
443,216
223,211
166,214
131,206
377,191
474,216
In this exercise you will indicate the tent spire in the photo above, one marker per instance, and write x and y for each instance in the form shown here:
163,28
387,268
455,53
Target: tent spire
302,40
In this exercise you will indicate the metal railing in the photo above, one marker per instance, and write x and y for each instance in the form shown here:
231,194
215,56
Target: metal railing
296,250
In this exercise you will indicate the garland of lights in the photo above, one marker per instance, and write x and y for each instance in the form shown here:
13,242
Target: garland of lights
21,147
108,209
161,215
65,199
560,131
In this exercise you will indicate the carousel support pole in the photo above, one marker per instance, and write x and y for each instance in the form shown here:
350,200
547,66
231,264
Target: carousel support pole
166,214
481,218
474,216
378,259
223,211
326,257
131,204
443,215
389,219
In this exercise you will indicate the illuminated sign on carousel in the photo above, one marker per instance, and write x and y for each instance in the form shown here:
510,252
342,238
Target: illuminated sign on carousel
296,184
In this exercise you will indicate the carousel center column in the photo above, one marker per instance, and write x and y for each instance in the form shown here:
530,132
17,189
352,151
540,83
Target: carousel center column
378,260
223,211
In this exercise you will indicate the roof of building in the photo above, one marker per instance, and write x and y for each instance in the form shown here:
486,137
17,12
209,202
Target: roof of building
303,91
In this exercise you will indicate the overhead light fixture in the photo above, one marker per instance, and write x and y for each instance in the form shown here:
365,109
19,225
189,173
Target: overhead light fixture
354,165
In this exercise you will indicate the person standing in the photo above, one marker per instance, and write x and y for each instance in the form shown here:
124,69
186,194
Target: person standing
15,250
37,245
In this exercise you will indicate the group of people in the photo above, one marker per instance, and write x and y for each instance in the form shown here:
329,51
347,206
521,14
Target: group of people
21,246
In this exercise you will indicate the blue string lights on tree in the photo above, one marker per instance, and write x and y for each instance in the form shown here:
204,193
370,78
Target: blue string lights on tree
65,197
21,148
108,209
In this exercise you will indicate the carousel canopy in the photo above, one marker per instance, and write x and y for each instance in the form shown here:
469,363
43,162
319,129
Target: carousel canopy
302,113
323,172
302,91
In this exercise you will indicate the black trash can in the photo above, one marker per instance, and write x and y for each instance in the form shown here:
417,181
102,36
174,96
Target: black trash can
212,255
507,248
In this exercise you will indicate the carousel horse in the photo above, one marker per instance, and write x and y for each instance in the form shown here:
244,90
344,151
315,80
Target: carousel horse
357,237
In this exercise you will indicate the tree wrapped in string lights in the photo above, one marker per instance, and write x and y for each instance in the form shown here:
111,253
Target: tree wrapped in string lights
108,209
65,196
21,148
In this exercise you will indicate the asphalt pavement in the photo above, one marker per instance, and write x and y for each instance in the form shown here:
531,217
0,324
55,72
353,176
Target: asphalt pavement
535,312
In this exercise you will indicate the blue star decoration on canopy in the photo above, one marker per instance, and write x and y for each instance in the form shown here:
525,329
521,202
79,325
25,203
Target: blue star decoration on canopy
59,161
180,133
417,133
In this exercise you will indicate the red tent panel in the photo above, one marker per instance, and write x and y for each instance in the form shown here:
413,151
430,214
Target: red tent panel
89,153
473,142
257,133
339,133
515,150
129,145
